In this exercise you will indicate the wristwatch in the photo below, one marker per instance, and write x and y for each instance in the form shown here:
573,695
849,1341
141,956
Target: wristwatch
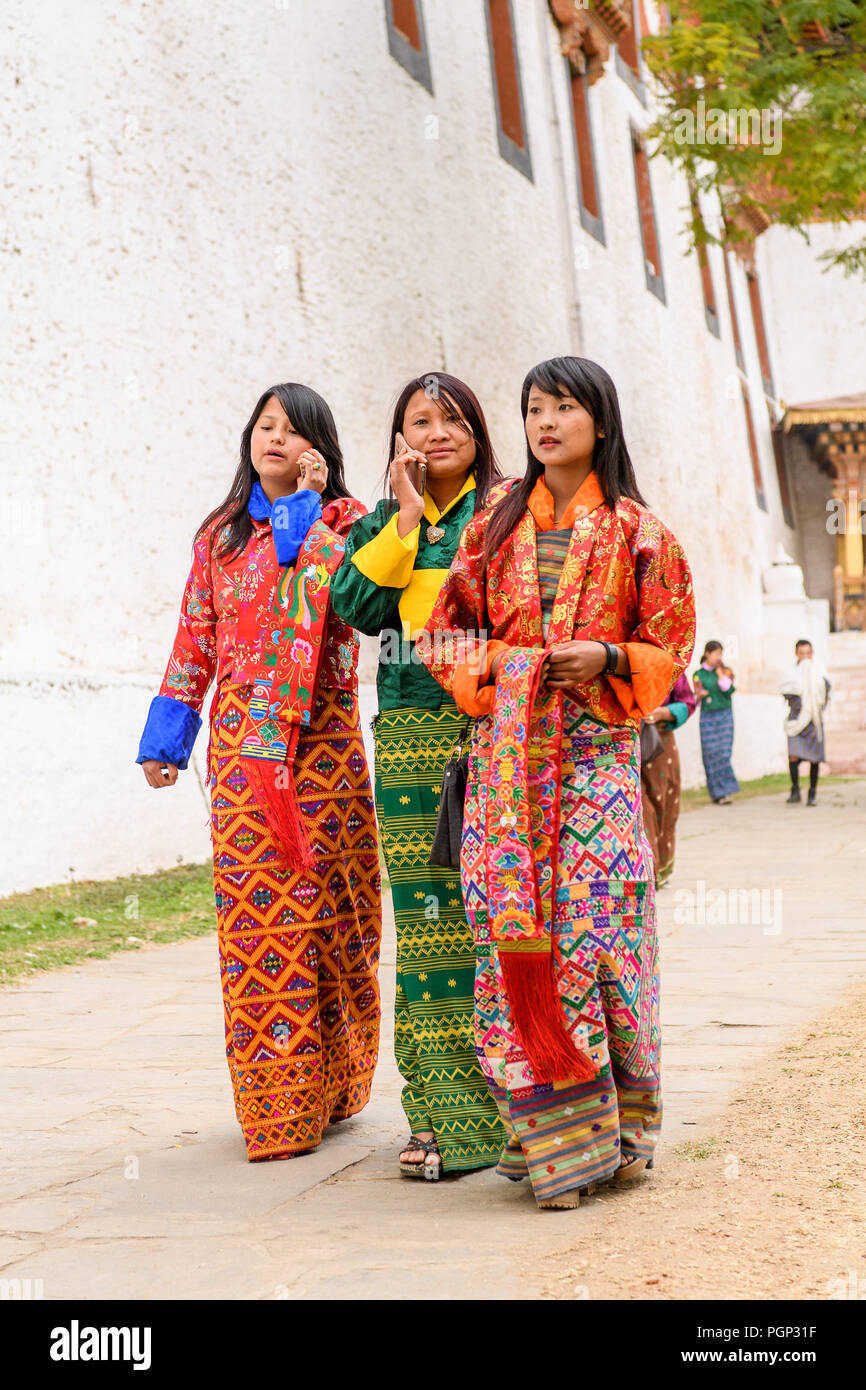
609,668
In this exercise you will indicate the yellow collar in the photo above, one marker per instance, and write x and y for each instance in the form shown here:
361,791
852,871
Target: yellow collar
432,512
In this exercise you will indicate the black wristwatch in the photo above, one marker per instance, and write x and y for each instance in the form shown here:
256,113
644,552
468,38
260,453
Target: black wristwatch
612,658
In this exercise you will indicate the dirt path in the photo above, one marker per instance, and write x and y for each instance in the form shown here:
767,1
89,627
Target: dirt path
122,1172
768,1202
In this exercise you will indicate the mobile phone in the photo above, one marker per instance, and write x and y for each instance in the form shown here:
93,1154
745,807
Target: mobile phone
416,472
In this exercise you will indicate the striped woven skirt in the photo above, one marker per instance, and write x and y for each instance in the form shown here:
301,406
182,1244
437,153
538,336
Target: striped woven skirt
807,746
605,962
298,952
717,742
660,783
445,1090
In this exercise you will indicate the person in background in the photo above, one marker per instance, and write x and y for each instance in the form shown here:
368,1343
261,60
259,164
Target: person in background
714,687
661,779
807,691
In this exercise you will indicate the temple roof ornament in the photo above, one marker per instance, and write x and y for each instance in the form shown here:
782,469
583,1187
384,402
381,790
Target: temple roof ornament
587,31
836,410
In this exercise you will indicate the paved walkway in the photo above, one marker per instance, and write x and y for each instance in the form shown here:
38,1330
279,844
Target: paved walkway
123,1174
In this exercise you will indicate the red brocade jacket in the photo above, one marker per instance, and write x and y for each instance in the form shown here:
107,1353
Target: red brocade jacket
624,580
225,615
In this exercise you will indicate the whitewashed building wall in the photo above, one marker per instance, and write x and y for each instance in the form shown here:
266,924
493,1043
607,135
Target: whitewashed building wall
203,199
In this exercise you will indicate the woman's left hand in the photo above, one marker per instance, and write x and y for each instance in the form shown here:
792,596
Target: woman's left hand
660,715
314,472
572,663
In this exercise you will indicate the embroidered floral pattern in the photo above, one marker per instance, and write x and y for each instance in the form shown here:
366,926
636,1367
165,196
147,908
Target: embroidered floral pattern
226,613
625,579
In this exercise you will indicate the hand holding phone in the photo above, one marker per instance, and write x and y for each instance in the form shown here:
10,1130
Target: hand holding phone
408,467
407,478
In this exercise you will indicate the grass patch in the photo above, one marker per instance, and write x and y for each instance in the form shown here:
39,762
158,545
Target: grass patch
698,1148
695,797
38,929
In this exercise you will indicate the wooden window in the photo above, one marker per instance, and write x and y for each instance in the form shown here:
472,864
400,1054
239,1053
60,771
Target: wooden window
588,200
407,40
781,467
711,311
405,14
628,43
510,115
732,308
753,449
629,64
760,331
647,217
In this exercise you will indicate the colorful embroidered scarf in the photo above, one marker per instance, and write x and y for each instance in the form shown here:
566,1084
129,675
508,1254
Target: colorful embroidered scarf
284,687
522,833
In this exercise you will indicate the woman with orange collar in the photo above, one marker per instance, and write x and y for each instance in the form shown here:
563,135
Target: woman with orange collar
587,603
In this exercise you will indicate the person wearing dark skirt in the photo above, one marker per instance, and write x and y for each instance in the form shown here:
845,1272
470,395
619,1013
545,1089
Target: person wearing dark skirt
714,687
807,691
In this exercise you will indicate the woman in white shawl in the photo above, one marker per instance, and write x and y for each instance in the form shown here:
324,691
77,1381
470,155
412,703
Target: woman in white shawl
807,690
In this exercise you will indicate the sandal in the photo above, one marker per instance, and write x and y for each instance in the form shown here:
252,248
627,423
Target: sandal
431,1171
632,1166
568,1201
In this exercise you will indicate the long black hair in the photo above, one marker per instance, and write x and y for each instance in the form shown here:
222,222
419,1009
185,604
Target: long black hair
714,647
591,387
311,416
464,402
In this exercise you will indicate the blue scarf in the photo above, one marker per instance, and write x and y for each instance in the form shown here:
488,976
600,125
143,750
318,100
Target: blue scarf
291,518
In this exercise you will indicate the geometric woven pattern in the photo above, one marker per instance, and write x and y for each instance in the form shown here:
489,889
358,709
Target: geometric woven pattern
434,1027
605,962
299,952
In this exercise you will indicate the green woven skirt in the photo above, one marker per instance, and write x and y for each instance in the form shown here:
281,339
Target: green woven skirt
434,1027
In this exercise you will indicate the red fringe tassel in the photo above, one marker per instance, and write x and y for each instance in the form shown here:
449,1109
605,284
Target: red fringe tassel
535,1010
281,809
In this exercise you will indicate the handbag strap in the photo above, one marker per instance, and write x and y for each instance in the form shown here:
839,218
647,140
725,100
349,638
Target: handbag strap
457,751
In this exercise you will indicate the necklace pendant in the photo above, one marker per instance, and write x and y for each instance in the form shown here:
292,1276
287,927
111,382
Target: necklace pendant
434,534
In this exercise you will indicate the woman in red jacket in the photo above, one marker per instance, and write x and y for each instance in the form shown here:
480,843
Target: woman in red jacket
296,865
586,601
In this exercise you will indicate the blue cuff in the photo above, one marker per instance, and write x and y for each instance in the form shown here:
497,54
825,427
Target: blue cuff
680,711
291,519
169,733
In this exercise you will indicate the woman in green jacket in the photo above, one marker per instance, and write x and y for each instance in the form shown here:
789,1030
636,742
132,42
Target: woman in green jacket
396,561
714,689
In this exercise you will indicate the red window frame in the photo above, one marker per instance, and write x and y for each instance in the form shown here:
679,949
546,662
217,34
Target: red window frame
753,448
406,21
647,217
760,329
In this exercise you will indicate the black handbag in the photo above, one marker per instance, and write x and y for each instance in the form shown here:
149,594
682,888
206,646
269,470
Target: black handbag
445,851
650,742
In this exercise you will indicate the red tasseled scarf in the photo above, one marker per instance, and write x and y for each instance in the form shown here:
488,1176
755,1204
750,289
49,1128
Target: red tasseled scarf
522,836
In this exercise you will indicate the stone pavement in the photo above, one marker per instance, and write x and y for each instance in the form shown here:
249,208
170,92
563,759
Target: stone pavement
123,1174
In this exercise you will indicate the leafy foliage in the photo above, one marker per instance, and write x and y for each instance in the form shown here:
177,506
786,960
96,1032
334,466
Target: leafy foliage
807,93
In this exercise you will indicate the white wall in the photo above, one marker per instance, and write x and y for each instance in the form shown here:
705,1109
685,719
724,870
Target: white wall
203,199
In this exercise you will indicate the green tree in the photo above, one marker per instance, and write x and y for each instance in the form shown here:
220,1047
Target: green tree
790,78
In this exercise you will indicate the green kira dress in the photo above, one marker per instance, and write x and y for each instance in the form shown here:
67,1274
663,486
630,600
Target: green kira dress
387,585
